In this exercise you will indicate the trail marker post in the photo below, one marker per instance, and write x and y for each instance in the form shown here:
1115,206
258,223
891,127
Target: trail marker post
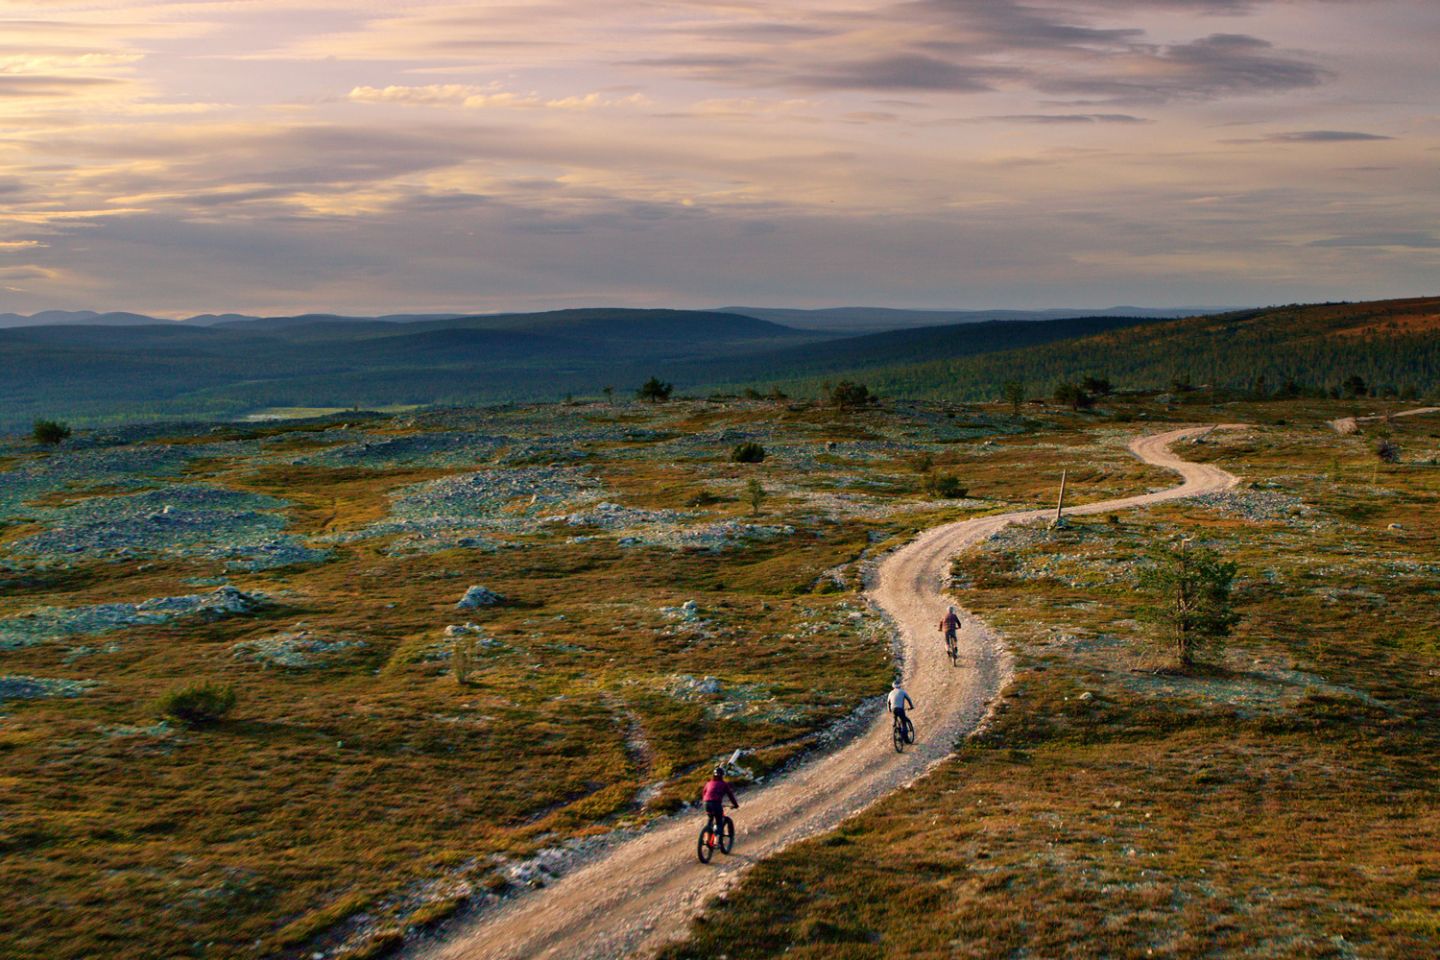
1059,520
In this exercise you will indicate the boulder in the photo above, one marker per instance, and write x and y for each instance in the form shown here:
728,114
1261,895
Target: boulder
477,597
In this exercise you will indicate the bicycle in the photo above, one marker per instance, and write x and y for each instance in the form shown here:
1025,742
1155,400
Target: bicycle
709,842
952,647
902,731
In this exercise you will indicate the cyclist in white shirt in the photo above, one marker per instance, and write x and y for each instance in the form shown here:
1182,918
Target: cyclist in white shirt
898,700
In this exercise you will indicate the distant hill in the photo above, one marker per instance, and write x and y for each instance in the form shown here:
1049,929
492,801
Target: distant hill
92,372
876,319
1392,345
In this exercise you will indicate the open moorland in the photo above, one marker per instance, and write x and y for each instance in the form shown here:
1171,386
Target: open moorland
1279,801
636,616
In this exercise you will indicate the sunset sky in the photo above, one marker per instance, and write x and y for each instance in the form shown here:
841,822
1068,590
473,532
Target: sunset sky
280,156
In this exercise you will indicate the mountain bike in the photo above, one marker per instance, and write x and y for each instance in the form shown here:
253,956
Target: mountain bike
901,732
952,647
710,841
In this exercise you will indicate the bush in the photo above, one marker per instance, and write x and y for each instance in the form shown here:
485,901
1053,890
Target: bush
1073,396
944,486
748,452
50,432
655,390
1192,610
849,396
198,704
1388,451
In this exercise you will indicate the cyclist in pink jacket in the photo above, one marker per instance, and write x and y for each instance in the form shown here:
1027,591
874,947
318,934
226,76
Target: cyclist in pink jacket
716,791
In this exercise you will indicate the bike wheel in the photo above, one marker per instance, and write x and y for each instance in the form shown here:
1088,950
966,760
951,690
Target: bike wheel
954,655
705,848
727,837
909,731
897,734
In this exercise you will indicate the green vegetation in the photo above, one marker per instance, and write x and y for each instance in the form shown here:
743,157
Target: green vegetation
655,390
198,704
1192,611
754,495
1280,803
748,452
50,433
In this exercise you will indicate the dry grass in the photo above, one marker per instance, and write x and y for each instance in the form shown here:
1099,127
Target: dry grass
1282,804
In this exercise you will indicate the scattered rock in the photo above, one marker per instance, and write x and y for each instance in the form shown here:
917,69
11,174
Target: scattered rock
15,687
477,597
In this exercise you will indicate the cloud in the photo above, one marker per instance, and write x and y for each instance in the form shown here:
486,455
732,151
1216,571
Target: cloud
1415,240
19,85
1220,65
1062,118
1312,136
901,72
484,97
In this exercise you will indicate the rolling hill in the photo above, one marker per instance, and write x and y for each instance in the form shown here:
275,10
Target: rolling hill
1393,345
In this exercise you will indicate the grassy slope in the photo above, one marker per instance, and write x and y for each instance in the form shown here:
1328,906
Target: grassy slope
1389,343
1284,806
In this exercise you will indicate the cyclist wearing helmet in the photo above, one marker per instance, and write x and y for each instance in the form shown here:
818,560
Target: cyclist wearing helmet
949,626
716,791
898,700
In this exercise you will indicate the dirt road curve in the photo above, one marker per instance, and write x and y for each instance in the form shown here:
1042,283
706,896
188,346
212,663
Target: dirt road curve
645,891
1352,424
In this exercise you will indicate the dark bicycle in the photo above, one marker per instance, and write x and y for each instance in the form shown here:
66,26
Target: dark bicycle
902,731
709,841
952,647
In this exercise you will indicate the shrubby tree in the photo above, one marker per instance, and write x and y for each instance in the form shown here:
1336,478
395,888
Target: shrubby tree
1072,395
755,495
1014,393
1387,450
655,390
1354,386
944,486
1191,610
748,452
50,433
849,396
1097,386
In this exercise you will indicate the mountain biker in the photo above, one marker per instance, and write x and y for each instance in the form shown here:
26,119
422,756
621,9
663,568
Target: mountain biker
950,625
716,790
897,701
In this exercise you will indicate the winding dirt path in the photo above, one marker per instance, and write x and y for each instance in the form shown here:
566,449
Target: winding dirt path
644,892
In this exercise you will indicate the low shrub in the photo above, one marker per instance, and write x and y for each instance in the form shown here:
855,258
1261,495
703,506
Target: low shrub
944,486
748,452
198,704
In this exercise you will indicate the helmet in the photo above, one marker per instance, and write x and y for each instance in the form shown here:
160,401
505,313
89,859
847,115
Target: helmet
895,684
719,771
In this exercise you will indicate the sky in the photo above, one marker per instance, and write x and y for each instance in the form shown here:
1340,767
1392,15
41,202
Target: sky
278,156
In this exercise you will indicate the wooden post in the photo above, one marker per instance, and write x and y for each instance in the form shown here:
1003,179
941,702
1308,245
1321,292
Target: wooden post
1060,504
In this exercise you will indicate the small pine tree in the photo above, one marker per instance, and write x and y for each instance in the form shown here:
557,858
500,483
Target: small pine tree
1354,386
50,433
1014,392
1098,386
1072,395
1192,610
609,392
1387,451
849,396
655,390
754,495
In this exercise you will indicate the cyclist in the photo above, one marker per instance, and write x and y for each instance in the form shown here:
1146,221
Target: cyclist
716,790
897,701
949,626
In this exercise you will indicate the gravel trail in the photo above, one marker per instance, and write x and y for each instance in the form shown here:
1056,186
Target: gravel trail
643,892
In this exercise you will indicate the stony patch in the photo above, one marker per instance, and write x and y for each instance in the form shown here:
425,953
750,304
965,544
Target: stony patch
51,623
